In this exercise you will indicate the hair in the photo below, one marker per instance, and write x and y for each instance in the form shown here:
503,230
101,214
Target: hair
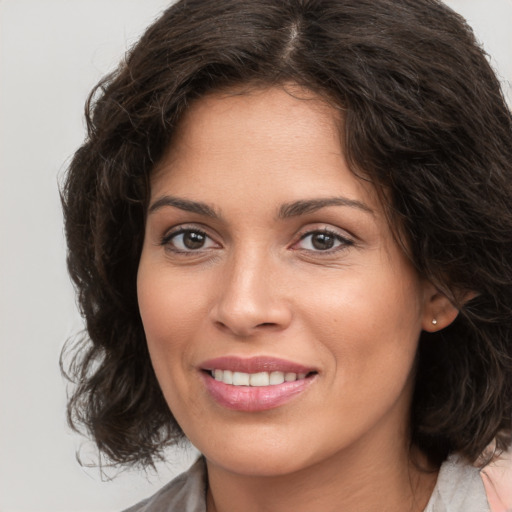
424,119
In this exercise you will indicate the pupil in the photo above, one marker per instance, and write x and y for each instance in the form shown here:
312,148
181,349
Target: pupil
323,241
193,240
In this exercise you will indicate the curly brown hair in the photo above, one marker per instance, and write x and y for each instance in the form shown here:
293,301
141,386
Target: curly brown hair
424,119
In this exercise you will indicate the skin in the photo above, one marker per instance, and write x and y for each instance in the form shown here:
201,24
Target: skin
259,286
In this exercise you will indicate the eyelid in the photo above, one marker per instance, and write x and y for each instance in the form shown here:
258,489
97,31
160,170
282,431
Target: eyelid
186,226
170,234
345,239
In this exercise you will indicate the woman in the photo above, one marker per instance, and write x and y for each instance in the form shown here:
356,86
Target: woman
290,229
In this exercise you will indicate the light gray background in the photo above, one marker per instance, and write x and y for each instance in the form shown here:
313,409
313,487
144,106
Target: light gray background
51,53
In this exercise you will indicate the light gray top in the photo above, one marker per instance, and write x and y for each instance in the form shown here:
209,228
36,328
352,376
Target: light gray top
459,488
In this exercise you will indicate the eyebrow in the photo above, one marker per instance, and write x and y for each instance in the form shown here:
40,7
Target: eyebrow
184,204
287,210
305,206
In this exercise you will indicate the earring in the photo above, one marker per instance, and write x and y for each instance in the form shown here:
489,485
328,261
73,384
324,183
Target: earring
434,321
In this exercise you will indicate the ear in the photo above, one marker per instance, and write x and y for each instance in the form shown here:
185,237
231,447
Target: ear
438,311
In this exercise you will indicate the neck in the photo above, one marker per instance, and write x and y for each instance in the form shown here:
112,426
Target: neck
347,481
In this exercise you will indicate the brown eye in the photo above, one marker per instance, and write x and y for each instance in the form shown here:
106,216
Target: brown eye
193,240
188,240
322,241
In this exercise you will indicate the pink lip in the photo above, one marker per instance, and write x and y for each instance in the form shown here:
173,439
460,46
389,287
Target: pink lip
254,365
249,398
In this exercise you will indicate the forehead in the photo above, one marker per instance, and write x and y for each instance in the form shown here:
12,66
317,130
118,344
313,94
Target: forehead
261,113
276,142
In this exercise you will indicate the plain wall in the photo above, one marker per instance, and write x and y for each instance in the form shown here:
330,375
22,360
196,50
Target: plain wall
51,53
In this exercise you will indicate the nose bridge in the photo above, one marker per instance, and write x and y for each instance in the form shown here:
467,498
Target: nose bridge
250,296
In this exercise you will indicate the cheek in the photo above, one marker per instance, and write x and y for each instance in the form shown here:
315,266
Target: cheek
369,322
168,310
169,317
156,306
160,307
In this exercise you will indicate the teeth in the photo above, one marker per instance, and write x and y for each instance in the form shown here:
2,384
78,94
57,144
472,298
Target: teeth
259,379
276,378
255,379
239,379
227,376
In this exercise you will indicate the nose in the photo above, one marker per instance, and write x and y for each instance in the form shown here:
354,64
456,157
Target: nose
251,297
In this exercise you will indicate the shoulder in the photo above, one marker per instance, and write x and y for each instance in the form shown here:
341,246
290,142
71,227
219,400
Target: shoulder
459,488
497,477
186,493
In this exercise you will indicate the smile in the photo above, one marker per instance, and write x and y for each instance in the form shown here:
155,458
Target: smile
255,384
259,379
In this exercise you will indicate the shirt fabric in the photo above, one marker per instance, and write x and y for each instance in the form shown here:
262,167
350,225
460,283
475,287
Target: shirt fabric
459,488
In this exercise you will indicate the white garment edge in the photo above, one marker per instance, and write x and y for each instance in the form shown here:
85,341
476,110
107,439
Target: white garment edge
459,488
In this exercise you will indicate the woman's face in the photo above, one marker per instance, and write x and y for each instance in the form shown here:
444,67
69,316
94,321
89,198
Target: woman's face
281,317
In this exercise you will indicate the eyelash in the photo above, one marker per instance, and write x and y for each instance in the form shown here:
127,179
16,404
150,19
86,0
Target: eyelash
344,242
169,237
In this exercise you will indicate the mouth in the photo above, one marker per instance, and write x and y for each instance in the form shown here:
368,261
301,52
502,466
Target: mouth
255,384
259,379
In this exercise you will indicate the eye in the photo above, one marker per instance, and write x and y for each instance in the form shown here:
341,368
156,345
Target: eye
188,240
323,241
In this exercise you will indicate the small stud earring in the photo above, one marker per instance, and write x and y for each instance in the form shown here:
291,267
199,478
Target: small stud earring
434,321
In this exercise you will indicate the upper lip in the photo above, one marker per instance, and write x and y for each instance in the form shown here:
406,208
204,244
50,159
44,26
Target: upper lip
255,365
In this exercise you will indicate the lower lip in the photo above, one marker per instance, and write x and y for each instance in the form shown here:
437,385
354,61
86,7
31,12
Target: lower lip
254,398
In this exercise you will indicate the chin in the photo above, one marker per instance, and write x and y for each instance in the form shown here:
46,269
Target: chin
264,452
258,463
